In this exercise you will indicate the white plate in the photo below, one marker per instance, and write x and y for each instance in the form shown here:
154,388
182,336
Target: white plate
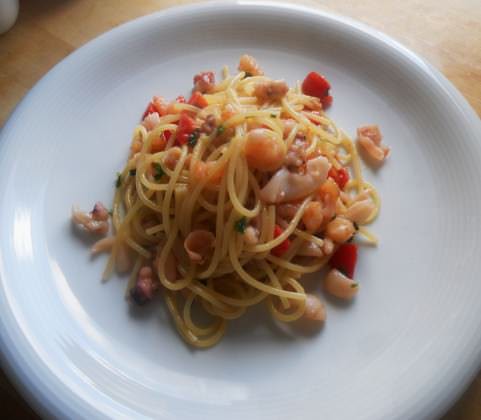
404,349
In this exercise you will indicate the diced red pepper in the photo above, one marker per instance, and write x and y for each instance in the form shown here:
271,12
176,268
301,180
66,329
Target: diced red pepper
197,99
150,109
180,99
283,246
185,128
340,176
167,134
344,259
326,101
317,85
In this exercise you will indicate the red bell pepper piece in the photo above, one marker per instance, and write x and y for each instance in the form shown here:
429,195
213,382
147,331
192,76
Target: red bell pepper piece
283,246
340,176
344,259
317,85
197,99
185,128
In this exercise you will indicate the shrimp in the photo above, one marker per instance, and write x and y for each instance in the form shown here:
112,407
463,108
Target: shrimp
310,249
249,65
360,211
262,151
203,170
286,186
198,244
329,193
340,229
369,138
151,121
314,309
313,216
339,285
271,91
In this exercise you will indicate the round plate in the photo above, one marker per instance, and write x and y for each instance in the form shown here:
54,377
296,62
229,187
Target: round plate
404,349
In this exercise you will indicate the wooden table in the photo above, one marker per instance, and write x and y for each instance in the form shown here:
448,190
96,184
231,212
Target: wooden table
446,33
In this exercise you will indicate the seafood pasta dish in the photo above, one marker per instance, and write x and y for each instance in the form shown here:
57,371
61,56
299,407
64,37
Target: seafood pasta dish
229,196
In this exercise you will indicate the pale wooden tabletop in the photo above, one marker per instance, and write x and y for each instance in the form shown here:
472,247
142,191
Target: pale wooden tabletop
447,33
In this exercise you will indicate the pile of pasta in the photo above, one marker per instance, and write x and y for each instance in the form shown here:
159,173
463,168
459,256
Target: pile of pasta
229,197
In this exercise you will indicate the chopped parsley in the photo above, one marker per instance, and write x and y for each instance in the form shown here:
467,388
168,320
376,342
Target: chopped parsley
248,74
354,285
193,137
273,115
118,182
132,172
240,225
158,171
111,212
220,129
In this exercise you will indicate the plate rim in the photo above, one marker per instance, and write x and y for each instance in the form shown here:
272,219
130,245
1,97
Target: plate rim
15,364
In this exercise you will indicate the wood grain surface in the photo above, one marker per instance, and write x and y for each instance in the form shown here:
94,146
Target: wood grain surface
447,33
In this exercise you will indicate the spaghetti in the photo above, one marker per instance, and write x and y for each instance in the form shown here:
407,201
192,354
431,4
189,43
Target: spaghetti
227,199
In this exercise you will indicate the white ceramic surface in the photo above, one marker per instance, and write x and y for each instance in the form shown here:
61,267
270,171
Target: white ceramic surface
406,347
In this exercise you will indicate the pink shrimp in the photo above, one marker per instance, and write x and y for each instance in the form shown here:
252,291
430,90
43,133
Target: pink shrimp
369,138
249,65
272,91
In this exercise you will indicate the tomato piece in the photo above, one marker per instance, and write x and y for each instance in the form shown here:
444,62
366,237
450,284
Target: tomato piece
317,85
167,134
344,259
326,101
185,128
150,109
180,99
340,176
283,246
197,99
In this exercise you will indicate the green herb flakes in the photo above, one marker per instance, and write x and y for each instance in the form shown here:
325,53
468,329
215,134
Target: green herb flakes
158,171
193,137
240,225
118,182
